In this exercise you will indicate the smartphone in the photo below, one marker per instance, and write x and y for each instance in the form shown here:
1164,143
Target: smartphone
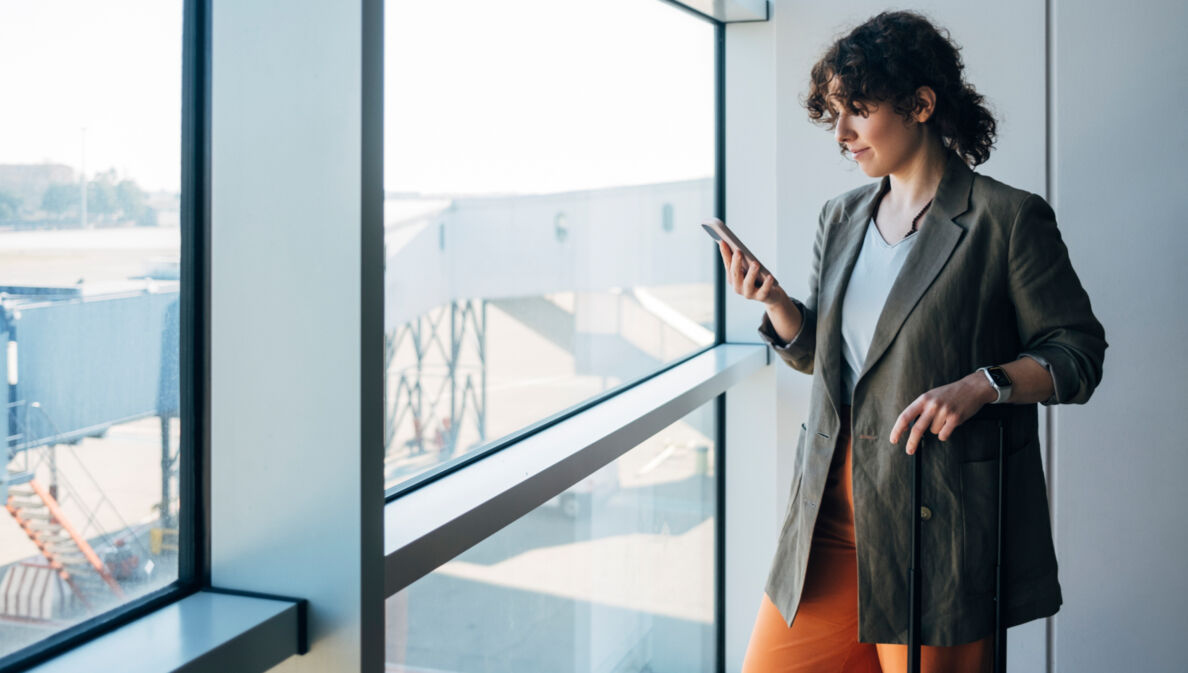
718,231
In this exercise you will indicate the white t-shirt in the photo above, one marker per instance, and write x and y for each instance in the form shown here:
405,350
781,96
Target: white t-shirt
879,264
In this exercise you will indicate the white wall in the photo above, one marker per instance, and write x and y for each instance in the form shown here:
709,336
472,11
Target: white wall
754,426
1120,145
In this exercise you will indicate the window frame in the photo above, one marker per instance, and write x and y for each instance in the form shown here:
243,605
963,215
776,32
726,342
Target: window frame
436,540
193,358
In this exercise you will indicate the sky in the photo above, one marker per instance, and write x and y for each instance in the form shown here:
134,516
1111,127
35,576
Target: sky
112,67
480,97
545,95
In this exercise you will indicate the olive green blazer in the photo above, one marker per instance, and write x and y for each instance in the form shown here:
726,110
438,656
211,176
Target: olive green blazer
988,280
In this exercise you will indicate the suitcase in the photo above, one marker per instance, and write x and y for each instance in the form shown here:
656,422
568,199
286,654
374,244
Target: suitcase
994,413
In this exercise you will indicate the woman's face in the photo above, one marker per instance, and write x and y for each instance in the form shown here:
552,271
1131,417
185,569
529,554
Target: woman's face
878,138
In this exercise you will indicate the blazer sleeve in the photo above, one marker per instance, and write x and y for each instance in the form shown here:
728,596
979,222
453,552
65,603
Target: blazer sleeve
1056,322
800,351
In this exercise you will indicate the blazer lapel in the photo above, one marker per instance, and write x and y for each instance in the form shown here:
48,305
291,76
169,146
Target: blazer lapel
939,234
848,243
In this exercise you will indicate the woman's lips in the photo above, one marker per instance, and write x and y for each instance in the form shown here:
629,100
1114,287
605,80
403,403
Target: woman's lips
858,153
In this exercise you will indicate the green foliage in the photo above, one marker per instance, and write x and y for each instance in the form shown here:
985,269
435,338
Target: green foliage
10,205
59,198
108,198
130,198
147,217
101,194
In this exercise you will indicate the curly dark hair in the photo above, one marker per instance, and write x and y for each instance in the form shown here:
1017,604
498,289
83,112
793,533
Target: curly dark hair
886,59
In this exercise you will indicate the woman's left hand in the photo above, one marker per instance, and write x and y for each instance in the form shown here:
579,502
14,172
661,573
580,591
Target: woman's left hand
942,409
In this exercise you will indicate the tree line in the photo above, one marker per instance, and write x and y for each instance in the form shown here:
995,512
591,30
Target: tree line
108,199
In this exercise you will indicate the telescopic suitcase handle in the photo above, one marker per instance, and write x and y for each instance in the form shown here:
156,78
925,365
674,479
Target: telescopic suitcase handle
915,577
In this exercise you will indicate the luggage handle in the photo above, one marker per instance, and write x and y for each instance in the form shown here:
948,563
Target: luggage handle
914,575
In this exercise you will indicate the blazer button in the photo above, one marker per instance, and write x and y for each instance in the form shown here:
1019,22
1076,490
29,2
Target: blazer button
925,513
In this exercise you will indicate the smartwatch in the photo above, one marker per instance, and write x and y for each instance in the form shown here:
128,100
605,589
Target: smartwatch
1001,382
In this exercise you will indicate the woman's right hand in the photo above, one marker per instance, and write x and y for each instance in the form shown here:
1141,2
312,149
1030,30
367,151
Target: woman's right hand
744,280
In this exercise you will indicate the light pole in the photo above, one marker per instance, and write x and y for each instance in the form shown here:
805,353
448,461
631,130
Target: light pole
83,180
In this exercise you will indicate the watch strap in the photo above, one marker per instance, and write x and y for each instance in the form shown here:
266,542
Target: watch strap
1004,392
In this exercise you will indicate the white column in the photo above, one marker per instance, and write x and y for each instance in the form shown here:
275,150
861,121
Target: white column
295,496
759,418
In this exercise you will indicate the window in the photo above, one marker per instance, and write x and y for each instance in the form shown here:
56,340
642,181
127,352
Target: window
615,574
545,179
90,316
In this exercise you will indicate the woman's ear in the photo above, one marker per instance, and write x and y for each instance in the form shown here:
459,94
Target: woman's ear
925,103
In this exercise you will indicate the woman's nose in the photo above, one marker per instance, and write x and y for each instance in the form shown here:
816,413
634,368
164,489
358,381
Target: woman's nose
842,132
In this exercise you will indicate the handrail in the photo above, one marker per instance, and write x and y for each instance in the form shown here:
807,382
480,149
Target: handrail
56,511
90,511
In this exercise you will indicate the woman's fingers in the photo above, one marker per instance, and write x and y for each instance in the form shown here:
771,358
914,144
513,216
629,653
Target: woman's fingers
726,253
951,424
737,271
763,291
939,411
744,276
749,280
917,433
901,423
922,414
728,260
939,420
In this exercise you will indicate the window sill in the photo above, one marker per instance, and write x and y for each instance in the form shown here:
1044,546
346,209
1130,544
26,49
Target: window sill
431,525
211,630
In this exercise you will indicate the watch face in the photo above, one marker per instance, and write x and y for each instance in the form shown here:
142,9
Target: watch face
999,376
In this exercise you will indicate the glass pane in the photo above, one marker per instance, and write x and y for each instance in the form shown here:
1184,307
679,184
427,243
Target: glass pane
548,164
615,574
90,137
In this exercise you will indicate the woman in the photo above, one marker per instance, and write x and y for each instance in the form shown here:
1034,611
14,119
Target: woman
933,293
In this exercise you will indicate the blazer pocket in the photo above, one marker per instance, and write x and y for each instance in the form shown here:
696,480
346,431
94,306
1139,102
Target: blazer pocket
979,520
1028,534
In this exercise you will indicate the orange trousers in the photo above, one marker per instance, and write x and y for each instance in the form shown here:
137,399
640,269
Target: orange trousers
823,637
